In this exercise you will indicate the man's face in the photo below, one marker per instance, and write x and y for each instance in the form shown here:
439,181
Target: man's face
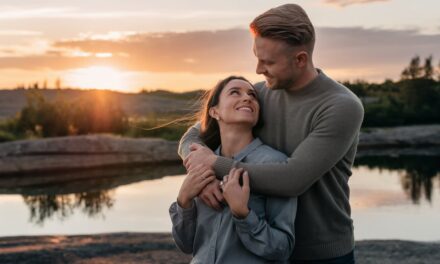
276,61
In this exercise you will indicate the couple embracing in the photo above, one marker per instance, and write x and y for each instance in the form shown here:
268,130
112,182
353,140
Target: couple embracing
268,164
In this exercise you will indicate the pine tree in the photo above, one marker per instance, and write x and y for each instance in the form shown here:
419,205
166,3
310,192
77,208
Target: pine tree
428,69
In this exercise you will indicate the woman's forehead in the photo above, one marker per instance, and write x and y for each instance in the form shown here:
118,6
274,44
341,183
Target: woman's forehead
241,84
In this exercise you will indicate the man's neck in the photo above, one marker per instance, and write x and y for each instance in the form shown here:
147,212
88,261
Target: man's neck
234,138
308,76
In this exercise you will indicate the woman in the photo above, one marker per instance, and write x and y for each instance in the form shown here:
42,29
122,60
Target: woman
251,228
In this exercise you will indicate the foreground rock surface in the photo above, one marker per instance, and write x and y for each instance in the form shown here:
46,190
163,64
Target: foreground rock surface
159,248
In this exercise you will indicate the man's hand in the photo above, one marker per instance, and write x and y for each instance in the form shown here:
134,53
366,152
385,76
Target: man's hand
199,155
194,182
212,195
237,196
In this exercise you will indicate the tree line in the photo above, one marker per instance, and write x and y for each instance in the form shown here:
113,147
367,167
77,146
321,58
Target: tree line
414,99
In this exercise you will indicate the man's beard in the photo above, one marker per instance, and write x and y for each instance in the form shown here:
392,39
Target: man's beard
285,84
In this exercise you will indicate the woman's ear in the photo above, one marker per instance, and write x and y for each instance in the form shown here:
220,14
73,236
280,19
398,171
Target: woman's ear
213,113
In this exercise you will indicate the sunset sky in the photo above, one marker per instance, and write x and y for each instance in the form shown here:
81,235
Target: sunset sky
186,45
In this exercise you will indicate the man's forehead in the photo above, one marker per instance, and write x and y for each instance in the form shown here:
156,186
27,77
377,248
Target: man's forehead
267,45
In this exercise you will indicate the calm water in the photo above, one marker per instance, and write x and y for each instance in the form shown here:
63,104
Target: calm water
392,198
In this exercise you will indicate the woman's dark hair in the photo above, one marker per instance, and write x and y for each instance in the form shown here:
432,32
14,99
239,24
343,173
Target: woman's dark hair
209,130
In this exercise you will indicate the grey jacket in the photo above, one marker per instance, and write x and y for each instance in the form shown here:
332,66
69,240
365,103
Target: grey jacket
266,235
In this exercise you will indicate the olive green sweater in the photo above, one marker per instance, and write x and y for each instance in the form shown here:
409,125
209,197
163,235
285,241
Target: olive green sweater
318,128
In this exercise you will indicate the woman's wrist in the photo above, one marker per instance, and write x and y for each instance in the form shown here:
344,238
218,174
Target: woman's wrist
184,202
241,214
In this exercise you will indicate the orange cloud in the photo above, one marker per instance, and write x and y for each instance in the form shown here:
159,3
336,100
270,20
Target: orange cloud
344,3
351,53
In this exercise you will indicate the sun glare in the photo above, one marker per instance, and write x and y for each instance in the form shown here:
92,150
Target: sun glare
96,77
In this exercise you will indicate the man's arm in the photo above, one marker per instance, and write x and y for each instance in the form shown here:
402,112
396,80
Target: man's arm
211,194
334,133
190,136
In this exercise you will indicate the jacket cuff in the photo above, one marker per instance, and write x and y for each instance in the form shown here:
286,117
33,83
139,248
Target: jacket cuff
186,213
246,224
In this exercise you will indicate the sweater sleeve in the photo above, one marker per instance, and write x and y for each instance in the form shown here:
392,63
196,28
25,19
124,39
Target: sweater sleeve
334,132
271,237
190,136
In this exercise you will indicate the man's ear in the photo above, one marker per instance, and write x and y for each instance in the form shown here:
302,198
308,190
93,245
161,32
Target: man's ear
301,59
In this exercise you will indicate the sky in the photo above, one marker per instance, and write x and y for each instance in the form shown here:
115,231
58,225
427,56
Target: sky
186,45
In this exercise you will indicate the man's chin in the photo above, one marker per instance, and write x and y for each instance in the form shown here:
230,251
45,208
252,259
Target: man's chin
269,84
272,85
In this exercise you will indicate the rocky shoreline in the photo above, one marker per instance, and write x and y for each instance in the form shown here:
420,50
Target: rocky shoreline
93,151
159,248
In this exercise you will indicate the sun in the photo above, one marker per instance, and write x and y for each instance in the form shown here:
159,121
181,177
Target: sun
96,77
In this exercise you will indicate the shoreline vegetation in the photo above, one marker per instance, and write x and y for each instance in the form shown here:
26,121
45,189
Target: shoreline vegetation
160,248
36,111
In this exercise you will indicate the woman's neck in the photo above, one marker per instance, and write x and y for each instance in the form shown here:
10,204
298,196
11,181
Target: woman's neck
234,138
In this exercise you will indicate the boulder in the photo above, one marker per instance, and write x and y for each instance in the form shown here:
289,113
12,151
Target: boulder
81,152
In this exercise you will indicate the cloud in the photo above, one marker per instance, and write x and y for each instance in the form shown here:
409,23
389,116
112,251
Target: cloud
347,53
76,13
372,53
344,3
196,52
19,33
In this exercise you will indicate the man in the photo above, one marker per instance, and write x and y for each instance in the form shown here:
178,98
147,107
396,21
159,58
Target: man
308,116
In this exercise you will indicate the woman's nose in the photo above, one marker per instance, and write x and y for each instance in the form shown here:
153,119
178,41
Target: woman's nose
247,98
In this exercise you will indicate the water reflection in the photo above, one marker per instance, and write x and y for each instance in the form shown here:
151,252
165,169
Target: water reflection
62,206
418,174
93,192
61,194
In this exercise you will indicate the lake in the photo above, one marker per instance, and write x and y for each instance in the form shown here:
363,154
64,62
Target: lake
391,198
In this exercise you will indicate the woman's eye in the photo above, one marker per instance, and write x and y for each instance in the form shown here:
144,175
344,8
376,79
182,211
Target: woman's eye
235,92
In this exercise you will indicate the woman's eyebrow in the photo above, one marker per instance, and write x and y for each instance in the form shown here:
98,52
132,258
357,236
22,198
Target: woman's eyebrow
234,88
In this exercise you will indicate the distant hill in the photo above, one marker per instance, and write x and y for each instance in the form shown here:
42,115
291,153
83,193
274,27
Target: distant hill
135,105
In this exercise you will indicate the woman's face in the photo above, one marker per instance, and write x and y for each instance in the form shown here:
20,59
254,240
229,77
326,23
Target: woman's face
238,104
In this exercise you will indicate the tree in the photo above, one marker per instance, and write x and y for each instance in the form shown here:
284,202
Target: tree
413,71
428,69
58,83
438,71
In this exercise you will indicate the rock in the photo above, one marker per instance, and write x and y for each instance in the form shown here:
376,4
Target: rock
160,248
92,151
408,136
80,152
400,141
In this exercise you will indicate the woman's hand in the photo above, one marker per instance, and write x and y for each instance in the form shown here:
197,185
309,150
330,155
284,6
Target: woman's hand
235,195
198,177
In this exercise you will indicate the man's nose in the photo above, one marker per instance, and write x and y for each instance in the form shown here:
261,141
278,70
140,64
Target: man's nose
260,69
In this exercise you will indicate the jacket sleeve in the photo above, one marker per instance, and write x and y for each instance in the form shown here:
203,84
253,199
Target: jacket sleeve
271,237
336,130
190,136
184,226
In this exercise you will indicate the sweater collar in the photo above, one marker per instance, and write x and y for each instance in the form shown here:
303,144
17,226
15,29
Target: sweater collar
312,86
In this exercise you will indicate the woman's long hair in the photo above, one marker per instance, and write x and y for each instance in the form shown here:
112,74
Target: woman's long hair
209,130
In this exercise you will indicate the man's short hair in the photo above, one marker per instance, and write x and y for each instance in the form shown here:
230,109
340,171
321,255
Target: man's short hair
288,23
